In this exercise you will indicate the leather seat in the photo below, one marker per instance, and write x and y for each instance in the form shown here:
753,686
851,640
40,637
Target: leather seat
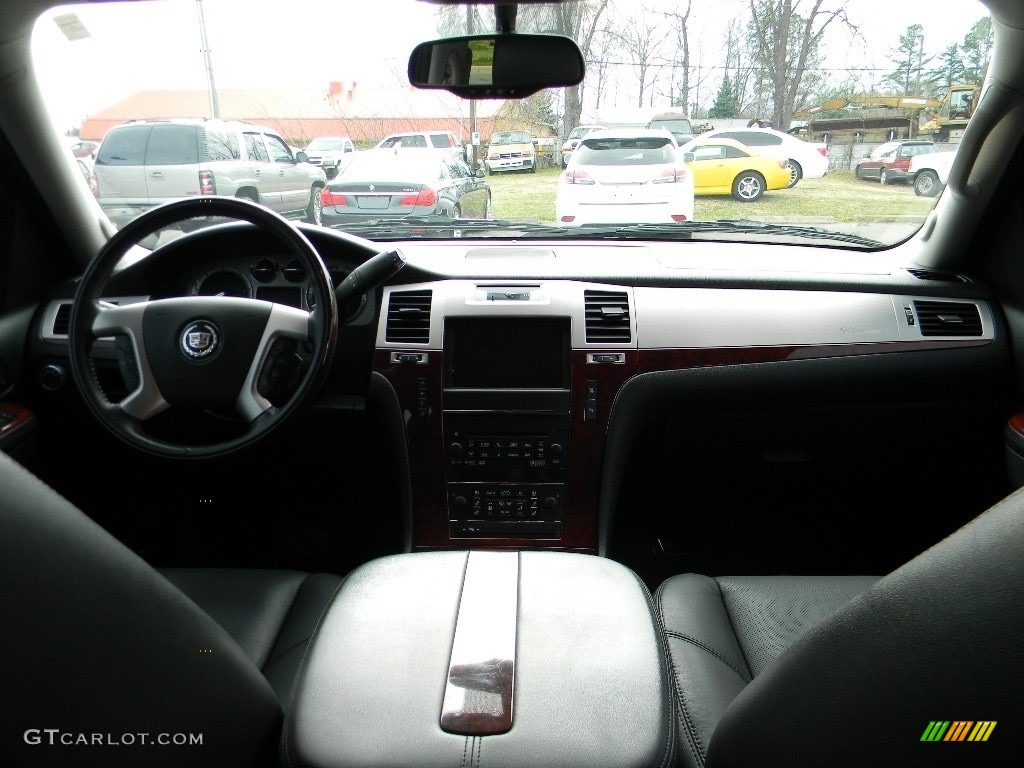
99,645
854,671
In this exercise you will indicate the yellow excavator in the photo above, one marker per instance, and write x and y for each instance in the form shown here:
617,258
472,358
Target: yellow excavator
947,117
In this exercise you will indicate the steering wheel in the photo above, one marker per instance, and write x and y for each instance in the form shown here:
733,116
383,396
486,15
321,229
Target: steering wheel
204,354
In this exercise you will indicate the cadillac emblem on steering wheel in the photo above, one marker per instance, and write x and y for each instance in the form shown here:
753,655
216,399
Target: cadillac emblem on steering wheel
200,340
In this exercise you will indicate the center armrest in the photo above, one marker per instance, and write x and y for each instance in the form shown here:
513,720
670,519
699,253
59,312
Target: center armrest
588,684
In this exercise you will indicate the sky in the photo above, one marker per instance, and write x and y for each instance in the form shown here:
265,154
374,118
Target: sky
256,44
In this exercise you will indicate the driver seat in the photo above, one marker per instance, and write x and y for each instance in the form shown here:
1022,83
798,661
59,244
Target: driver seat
101,648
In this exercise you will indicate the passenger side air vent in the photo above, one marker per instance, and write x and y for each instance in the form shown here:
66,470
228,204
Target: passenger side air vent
939,275
408,317
948,318
62,320
607,317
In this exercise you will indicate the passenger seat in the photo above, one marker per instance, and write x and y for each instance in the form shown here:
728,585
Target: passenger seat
857,670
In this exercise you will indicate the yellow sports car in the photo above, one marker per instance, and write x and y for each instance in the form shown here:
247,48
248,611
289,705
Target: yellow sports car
726,167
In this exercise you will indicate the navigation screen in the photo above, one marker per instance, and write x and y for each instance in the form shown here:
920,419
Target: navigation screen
507,353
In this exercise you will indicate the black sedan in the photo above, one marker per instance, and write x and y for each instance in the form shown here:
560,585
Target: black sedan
388,184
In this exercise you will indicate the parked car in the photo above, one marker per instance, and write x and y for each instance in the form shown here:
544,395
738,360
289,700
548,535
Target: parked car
573,139
330,153
89,174
725,167
890,162
464,493
394,184
144,163
929,172
510,151
675,123
805,159
624,175
83,147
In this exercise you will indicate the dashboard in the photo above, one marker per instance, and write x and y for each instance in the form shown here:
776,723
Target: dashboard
510,361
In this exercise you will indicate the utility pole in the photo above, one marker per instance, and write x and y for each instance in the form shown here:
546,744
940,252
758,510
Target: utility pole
214,104
470,29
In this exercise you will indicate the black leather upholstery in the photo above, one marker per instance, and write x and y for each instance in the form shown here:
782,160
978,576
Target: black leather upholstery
270,614
724,632
840,671
97,642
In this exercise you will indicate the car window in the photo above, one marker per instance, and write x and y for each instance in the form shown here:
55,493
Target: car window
710,152
441,142
255,149
173,145
625,151
221,144
125,146
279,151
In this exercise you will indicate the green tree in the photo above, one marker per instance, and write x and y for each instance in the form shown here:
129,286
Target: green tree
950,70
976,49
726,104
909,77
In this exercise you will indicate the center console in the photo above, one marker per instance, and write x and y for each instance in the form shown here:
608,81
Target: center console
506,398
485,658
506,425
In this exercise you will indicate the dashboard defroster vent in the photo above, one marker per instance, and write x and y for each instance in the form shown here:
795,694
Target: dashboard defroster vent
409,317
937,274
62,320
607,317
948,318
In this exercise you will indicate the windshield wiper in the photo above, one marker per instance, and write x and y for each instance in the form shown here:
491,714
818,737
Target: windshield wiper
440,225
740,227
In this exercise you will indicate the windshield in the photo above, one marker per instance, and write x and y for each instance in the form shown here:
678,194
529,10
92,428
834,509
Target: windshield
515,137
104,67
327,144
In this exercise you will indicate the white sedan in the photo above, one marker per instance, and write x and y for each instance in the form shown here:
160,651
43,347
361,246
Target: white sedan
625,176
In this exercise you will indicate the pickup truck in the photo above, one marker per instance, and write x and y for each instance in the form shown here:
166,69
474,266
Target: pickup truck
930,171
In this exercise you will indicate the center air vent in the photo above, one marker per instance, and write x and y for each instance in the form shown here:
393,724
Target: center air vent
948,318
607,317
408,317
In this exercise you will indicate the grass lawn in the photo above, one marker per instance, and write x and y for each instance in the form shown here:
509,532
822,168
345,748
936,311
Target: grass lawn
837,197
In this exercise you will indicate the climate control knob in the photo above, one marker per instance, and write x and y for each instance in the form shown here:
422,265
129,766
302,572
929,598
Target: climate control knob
455,449
550,503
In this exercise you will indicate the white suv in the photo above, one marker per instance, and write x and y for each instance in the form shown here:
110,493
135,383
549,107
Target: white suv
806,160
144,163
425,140
331,153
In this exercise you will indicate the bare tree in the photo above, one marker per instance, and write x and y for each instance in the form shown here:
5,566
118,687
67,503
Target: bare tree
580,22
682,29
643,37
786,34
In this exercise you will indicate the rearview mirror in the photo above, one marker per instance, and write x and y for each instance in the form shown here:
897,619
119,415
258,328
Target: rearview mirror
496,66
688,157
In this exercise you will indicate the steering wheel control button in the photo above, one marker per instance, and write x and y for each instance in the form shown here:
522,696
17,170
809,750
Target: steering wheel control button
200,340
